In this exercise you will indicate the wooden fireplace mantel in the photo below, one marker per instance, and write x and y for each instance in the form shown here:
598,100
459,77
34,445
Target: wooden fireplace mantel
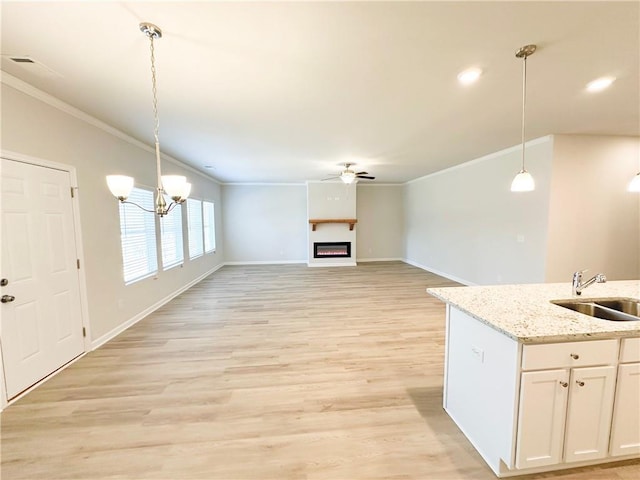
315,222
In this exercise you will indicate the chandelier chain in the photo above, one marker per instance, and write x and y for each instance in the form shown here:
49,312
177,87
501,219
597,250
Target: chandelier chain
154,90
156,119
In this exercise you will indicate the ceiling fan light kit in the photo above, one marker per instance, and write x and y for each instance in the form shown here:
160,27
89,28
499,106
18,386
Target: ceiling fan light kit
174,186
349,176
523,181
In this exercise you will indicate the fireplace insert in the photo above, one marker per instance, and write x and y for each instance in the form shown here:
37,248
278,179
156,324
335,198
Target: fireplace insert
331,249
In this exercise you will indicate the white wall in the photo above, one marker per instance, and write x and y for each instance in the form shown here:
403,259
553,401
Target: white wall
465,223
33,127
265,223
331,200
380,210
594,222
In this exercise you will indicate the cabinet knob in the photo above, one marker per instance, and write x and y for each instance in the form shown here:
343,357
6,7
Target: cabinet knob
564,384
575,356
580,383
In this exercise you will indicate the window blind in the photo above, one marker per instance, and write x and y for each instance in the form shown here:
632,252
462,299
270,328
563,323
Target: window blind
209,226
194,220
171,237
138,235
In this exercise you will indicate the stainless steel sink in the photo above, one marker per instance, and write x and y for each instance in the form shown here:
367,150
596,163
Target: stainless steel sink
619,310
632,307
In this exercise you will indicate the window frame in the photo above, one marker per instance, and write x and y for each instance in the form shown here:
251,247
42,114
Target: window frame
142,223
178,231
211,226
190,232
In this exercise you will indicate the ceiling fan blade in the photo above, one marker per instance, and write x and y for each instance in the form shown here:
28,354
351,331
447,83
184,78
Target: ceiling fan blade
362,173
368,178
330,178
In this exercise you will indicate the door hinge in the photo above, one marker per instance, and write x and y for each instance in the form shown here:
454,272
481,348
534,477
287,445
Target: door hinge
78,263
72,194
84,332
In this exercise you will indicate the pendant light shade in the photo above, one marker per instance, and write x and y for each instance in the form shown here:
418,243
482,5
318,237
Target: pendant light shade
523,181
634,185
175,186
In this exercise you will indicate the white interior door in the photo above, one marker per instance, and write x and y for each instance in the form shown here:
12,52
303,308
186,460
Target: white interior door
41,320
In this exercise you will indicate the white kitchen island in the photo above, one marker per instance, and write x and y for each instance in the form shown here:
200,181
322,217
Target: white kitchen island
537,387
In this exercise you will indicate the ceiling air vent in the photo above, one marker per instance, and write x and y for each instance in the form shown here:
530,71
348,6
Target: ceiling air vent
22,60
28,64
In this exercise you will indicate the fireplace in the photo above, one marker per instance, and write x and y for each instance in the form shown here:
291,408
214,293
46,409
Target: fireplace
331,249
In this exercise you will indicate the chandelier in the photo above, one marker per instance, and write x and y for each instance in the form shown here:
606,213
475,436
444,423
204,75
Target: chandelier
175,187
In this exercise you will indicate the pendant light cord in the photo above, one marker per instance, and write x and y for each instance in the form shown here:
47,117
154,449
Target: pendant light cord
156,125
524,97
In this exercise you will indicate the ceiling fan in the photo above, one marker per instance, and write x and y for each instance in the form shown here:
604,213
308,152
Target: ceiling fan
350,176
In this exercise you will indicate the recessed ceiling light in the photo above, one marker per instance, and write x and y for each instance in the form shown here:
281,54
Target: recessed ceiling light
600,84
469,76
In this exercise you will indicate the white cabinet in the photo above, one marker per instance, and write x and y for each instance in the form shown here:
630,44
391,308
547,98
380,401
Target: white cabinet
625,431
541,419
589,413
531,408
564,414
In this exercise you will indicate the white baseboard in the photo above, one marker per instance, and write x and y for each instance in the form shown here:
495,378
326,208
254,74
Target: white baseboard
365,260
350,264
267,262
132,321
441,274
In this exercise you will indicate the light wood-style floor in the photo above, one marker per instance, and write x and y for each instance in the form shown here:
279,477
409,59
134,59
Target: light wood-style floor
262,372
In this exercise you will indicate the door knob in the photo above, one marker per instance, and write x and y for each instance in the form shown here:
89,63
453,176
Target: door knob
7,298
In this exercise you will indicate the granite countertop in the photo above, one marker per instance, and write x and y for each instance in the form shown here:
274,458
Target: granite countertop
524,312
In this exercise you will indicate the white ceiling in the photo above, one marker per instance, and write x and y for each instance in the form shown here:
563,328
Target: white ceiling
286,91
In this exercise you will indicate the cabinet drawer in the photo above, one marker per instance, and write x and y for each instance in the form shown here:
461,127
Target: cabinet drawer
630,350
570,354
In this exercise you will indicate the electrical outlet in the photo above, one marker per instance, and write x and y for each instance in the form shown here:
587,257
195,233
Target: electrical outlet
478,353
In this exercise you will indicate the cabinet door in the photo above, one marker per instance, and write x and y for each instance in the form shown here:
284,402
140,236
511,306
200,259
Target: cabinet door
625,433
541,418
589,413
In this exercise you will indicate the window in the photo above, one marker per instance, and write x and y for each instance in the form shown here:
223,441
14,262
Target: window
209,226
138,235
194,217
171,238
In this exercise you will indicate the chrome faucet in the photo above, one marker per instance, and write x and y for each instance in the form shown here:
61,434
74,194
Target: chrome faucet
577,286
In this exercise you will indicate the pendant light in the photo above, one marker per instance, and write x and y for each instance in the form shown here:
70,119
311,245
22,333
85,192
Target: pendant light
174,186
523,181
634,185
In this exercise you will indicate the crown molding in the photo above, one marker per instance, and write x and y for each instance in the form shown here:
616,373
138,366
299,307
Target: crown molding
30,90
